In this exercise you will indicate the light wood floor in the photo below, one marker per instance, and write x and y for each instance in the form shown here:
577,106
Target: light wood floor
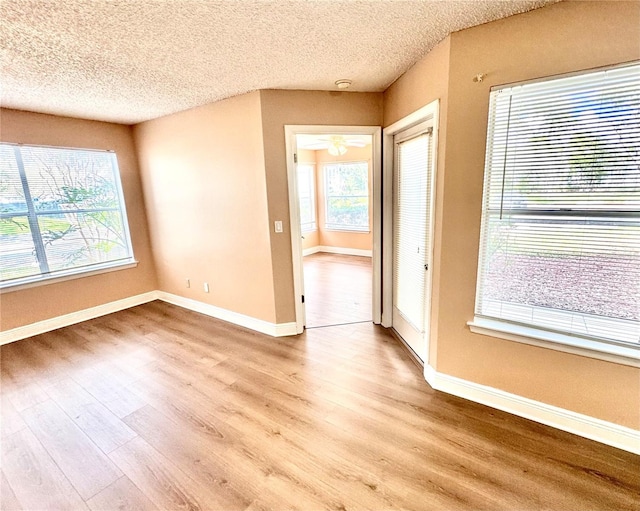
337,289
157,407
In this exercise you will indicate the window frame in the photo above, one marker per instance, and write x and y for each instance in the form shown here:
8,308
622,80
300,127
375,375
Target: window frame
32,214
345,228
621,352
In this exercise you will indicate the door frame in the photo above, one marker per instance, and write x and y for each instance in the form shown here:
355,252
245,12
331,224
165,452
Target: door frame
428,113
291,130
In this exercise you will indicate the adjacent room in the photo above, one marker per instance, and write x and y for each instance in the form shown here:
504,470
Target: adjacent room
335,190
269,255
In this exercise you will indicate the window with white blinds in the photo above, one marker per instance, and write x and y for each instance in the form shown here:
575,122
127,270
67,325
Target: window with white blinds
346,187
307,197
61,213
411,220
560,239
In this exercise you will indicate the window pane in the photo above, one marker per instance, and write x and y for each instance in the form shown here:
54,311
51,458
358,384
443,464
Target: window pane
17,252
348,179
579,267
304,183
347,196
306,197
348,211
11,192
306,214
80,239
70,179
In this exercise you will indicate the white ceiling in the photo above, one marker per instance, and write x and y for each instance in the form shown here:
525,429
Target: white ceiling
128,61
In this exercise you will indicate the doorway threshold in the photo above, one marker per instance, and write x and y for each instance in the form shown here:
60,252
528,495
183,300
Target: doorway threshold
338,324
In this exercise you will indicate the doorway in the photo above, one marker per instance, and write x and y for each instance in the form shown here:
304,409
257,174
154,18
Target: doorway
334,177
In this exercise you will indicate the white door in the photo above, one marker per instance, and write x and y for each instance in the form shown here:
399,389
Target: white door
412,212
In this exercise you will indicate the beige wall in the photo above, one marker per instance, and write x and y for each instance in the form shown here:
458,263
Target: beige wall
281,107
19,308
565,37
204,181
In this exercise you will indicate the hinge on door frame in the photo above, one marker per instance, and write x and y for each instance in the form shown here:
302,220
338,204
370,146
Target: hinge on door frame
302,298
295,158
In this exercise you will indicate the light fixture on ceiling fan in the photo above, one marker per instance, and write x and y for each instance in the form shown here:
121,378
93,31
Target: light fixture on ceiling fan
321,142
337,145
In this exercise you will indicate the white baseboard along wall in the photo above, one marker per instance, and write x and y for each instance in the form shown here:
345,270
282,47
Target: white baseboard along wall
579,424
337,250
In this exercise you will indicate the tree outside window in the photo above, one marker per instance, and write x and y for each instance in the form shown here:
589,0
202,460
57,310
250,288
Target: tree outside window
60,210
347,196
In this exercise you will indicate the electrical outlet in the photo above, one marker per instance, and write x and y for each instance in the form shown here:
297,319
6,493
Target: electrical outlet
278,225
206,287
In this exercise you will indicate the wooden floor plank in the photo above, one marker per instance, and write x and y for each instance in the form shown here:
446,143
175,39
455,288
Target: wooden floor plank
106,430
26,396
110,387
10,420
161,480
35,479
8,499
88,469
122,495
182,443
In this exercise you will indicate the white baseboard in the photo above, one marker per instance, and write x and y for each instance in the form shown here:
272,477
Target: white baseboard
599,430
337,250
40,327
259,325
310,250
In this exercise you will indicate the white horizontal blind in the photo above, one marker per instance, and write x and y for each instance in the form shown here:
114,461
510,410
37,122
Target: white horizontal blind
306,197
560,242
411,217
61,210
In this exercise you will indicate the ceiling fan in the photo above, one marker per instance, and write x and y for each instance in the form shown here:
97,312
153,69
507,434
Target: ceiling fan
336,145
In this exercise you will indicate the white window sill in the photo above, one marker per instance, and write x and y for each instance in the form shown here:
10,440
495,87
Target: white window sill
346,229
36,281
602,350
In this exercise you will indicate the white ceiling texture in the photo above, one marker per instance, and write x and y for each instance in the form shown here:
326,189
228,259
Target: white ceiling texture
128,61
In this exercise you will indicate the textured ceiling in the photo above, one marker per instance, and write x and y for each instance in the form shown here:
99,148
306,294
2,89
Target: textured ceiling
128,61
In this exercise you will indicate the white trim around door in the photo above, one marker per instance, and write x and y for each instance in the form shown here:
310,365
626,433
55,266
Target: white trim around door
294,214
429,115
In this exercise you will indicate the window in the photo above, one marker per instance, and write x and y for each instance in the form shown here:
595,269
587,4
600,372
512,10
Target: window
347,196
560,241
307,197
61,213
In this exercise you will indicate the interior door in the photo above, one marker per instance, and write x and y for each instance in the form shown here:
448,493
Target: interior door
412,201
